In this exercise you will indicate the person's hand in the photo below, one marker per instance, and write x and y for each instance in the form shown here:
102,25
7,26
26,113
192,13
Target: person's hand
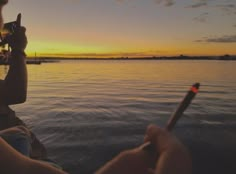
173,157
169,156
18,40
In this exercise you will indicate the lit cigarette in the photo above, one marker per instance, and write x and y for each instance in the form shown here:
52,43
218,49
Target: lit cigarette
178,112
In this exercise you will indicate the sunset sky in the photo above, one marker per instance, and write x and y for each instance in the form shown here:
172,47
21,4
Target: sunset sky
115,28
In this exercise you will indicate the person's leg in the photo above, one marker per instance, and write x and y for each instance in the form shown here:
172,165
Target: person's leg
18,138
11,120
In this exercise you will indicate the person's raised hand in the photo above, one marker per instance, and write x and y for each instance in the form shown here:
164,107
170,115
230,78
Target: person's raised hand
18,40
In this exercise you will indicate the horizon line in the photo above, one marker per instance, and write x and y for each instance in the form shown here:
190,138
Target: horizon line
130,57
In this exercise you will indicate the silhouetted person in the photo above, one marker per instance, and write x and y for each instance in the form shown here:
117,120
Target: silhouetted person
13,90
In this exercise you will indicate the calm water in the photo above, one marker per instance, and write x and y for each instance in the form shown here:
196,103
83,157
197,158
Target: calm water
86,112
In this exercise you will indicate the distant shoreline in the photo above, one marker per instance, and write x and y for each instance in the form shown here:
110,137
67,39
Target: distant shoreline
40,60
225,57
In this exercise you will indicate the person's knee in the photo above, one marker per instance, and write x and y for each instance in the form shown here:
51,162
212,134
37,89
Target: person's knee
15,130
18,137
23,129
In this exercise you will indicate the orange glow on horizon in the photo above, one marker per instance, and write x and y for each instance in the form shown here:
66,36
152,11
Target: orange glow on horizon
72,50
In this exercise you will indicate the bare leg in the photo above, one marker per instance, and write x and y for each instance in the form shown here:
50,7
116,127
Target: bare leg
10,120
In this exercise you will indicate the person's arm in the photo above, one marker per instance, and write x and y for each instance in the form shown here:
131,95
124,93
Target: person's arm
15,83
173,157
13,162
